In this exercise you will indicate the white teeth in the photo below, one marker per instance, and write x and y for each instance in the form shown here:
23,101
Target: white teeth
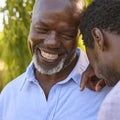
49,56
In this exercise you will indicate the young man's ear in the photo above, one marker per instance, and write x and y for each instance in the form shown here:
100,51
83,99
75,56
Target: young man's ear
30,44
98,38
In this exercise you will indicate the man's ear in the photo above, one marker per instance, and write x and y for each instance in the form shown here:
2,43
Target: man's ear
98,38
30,44
31,17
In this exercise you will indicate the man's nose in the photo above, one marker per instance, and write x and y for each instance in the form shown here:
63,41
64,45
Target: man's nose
51,40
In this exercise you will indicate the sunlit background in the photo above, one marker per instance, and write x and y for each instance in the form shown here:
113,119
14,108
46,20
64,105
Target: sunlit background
2,4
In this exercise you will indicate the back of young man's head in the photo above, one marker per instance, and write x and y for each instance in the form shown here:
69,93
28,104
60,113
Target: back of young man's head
102,14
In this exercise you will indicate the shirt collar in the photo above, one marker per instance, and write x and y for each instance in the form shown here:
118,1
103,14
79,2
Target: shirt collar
79,68
29,76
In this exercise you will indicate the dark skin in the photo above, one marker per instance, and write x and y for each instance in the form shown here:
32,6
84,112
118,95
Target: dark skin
90,80
53,36
105,66
104,57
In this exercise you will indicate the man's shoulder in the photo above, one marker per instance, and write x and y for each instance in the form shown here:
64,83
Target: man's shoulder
114,93
111,105
113,98
14,85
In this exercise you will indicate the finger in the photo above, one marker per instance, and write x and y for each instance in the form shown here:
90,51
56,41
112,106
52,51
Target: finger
83,82
91,85
87,74
85,79
100,85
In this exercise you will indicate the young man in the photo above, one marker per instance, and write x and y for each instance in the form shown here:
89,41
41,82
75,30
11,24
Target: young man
100,27
49,89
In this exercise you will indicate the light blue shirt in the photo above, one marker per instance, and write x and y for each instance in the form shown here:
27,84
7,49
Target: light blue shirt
24,99
110,108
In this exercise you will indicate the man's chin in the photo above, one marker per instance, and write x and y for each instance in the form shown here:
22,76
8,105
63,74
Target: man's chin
49,71
46,69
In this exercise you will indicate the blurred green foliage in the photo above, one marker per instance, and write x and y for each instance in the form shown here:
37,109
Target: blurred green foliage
14,51
88,2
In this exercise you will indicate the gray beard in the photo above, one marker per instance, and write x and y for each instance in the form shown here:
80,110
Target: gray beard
52,71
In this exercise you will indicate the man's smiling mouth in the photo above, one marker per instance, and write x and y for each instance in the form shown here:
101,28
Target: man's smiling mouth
48,55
